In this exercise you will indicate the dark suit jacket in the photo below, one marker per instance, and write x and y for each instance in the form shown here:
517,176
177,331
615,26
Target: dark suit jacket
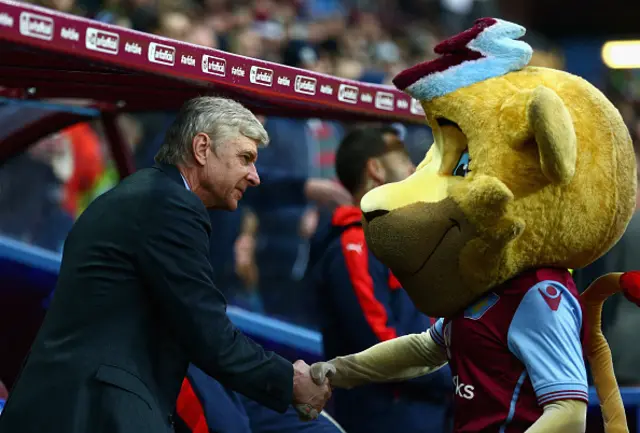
134,304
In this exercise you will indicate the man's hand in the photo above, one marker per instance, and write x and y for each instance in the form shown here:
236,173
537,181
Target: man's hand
245,264
309,223
326,192
308,398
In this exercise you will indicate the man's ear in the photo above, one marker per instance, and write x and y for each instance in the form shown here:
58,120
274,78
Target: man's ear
201,144
375,170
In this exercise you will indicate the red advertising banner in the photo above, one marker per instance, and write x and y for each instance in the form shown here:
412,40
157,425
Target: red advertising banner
85,41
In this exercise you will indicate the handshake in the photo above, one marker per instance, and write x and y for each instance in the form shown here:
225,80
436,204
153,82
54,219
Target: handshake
311,388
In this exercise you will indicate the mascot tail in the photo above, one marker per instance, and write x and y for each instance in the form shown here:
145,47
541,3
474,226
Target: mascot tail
597,349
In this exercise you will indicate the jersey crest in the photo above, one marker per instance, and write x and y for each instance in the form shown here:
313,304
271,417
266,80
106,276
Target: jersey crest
484,304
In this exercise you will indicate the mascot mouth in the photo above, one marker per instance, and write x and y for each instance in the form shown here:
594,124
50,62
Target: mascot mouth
453,225
420,238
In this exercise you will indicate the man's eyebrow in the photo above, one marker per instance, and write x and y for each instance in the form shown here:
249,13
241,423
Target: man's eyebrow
250,153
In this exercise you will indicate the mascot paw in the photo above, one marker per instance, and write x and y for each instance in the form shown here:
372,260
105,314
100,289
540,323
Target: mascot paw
321,371
630,283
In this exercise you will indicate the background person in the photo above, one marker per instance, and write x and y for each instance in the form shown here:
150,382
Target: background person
360,301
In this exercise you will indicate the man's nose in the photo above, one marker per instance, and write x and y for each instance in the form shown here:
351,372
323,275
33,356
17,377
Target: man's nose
253,177
370,216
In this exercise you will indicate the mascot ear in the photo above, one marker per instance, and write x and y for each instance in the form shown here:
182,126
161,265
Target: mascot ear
553,129
541,115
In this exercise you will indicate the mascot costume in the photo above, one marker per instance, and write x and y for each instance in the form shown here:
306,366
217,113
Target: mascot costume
531,173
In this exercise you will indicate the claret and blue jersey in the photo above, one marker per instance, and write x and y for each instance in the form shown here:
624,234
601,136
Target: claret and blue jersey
515,350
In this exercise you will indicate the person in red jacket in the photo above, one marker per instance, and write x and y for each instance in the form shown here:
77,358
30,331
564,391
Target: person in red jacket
361,303
88,165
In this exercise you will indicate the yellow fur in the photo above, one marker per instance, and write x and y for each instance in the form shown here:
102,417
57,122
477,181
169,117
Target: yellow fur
567,219
552,183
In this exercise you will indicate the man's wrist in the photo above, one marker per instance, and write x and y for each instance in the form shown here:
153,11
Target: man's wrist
279,385
298,376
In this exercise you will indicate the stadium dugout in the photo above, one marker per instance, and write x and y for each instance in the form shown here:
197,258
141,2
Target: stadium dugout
57,70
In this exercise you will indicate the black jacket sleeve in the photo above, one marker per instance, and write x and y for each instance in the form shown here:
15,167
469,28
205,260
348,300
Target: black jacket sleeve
173,258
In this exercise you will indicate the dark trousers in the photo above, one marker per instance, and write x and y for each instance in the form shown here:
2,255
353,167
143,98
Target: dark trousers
229,412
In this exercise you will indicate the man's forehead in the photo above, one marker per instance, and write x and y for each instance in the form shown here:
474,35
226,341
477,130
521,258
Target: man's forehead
244,143
397,154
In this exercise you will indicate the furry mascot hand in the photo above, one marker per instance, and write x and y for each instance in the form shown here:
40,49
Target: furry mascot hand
321,371
399,359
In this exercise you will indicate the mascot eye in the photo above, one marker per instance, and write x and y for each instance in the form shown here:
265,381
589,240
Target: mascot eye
462,167
443,121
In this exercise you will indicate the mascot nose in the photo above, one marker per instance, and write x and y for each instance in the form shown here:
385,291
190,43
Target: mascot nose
370,216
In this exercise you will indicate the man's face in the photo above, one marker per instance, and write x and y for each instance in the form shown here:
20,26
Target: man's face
397,164
175,26
250,44
229,170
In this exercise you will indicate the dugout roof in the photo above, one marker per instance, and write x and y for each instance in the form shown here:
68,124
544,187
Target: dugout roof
91,68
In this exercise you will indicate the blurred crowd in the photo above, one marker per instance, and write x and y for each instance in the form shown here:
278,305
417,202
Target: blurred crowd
261,252
359,39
